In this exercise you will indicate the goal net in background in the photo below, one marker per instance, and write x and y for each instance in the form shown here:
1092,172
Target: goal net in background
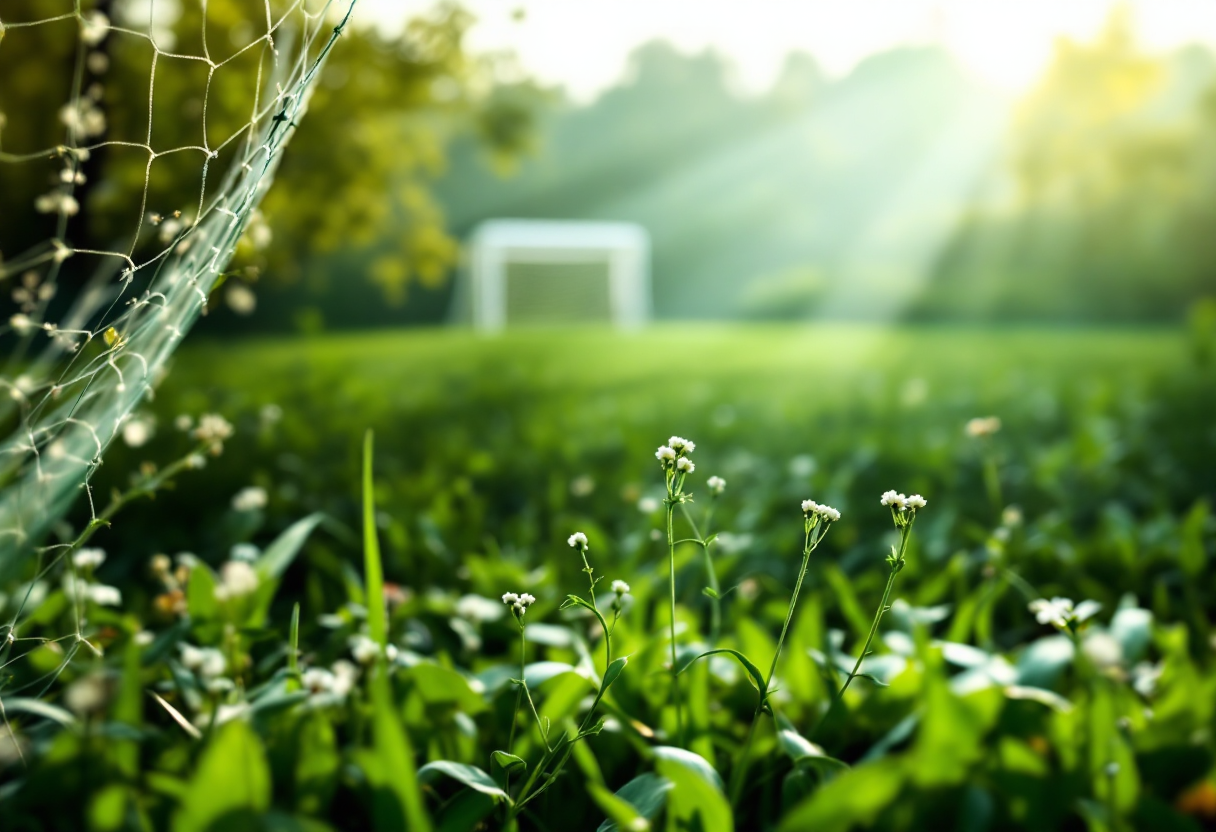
137,138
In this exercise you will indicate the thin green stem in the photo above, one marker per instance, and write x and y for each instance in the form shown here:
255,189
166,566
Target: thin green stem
736,784
896,565
711,574
675,678
607,637
519,695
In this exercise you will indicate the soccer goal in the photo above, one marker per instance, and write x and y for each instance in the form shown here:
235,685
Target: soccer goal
539,272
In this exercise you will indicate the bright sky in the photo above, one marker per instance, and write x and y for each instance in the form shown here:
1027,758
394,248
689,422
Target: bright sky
583,44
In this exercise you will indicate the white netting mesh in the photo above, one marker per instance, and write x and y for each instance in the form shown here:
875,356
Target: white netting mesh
70,383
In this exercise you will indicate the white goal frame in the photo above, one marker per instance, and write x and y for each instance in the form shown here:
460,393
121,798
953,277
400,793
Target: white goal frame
624,247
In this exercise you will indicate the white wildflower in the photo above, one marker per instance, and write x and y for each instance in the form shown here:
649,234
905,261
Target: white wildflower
810,507
716,485
682,445
364,649
894,499
208,662
88,694
57,202
685,465
620,587
317,680
241,299
213,429
136,432
916,501
94,26
144,638
519,602
250,498
104,596
1057,611
345,674
89,558
578,540
665,455
828,513
22,324
237,579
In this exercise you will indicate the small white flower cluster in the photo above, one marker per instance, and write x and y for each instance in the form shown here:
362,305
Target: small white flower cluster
208,663
826,513
674,455
57,202
137,431
578,540
237,579
104,596
620,587
983,426
903,508
716,485
902,502
213,429
88,558
519,601
337,681
1060,613
250,498
366,650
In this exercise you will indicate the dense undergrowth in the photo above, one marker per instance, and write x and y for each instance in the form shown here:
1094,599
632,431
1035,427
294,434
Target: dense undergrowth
186,705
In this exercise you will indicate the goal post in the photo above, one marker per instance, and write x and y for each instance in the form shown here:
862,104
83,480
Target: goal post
536,272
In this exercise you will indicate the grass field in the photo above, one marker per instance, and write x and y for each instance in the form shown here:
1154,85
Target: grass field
490,452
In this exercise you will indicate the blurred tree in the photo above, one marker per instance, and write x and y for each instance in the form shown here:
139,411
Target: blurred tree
357,171
1114,193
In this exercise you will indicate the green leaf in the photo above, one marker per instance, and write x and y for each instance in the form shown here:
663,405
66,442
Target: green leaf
508,762
806,754
200,593
709,540
752,670
471,776
642,797
1191,553
20,704
274,561
691,761
232,777
373,573
435,684
696,800
394,756
870,677
854,799
293,648
465,812
614,670
710,592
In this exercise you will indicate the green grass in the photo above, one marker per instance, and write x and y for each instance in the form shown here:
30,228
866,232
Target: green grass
491,451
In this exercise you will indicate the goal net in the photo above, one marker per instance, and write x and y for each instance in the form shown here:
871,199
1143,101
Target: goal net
166,121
